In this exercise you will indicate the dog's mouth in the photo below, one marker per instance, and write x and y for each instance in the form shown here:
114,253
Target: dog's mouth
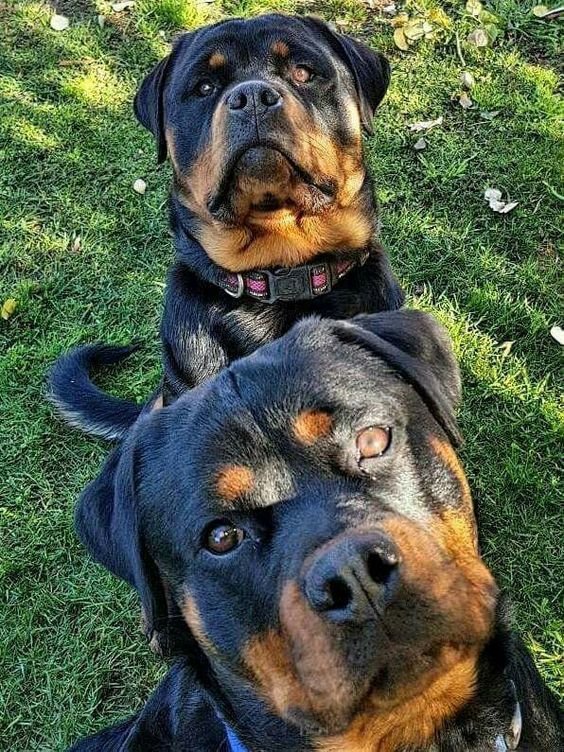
264,179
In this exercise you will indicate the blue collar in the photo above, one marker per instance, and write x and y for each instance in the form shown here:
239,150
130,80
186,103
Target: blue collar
234,743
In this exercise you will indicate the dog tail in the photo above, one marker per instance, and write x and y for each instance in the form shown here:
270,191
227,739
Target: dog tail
80,402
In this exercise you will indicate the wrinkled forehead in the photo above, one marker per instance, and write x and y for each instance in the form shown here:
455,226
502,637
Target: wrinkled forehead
240,44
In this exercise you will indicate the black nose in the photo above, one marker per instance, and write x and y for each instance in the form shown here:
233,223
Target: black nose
353,579
253,96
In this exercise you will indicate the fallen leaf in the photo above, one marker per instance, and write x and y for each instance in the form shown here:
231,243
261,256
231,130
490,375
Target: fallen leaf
492,194
140,186
505,347
76,244
474,7
489,115
558,334
420,145
507,207
478,37
539,11
8,308
467,80
400,20
413,30
125,5
493,197
425,125
390,9
465,102
59,23
400,40
101,21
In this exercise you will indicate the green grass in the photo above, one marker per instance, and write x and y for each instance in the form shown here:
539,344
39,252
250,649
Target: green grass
71,655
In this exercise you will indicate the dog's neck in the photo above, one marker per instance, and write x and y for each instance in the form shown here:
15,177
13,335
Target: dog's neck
191,252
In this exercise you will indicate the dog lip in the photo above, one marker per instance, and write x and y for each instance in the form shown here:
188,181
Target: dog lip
327,189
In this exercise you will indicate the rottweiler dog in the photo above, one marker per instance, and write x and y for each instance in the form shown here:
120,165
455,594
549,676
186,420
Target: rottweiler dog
272,208
315,531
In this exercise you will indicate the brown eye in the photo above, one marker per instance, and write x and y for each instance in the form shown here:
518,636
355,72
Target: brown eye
204,89
373,442
223,537
302,75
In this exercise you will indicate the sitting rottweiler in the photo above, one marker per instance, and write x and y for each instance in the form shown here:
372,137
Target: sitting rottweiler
272,208
315,531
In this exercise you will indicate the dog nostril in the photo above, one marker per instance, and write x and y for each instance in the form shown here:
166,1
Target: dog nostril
340,594
269,97
380,566
237,101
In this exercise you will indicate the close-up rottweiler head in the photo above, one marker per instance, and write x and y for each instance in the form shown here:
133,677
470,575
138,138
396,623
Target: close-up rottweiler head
262,120
303,521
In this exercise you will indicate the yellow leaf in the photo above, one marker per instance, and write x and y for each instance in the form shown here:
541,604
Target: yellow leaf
400,40
414,30
400,20
540,10
8,308
474,7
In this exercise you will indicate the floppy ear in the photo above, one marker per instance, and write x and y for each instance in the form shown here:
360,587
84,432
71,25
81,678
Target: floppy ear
149,103
371,70
419,348
107,522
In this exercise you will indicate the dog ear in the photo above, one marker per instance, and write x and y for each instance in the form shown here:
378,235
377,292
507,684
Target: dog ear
371,70
419,348
107,523
149,104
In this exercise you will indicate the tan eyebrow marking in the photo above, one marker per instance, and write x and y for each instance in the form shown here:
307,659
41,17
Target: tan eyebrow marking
311,425
447,455
217,60
234,481
280,48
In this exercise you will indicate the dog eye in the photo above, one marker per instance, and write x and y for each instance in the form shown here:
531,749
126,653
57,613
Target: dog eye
301,74
205,89
372,442
222,537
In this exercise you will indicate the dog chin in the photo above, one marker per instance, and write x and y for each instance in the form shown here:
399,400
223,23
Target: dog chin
262,183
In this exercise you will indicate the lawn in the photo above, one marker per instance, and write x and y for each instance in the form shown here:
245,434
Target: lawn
85,257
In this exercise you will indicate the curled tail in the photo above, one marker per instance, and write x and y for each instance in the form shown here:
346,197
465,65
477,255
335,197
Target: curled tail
80,402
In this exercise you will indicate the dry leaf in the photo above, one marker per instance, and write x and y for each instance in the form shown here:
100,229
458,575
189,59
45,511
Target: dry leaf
505,347
467,80
478,37
400,20
540,11
425,125
389,10
59,23
420,145
489,115
125,5
474,7
140,186
558,334
413,30
76,244
493,197
400,40
101,21
465,102
8,308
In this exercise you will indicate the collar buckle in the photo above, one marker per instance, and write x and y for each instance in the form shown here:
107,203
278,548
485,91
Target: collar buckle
239,290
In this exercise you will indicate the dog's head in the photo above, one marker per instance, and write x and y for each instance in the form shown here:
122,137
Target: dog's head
262,120
314,529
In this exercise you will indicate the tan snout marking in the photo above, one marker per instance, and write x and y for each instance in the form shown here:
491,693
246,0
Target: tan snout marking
311,425
234,482
194,620
413,722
